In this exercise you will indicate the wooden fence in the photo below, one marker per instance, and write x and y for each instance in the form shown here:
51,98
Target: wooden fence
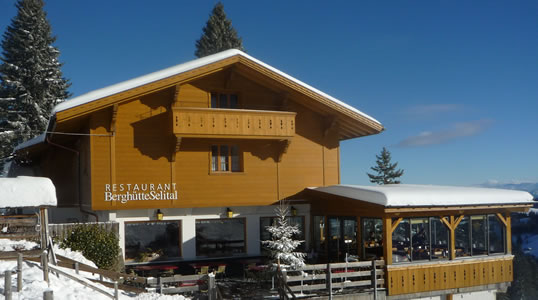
19,226
60,231
352,277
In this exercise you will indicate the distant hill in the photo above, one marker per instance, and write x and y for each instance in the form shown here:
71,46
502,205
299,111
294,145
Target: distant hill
531,187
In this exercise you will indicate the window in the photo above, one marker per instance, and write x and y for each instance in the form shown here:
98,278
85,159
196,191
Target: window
496,235
463,238
480,235
219,100
220,237
417,239
372,237
225,158
152,240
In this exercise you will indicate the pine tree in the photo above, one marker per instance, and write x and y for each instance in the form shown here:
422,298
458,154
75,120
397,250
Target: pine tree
218,34
386,172
282,245
31,82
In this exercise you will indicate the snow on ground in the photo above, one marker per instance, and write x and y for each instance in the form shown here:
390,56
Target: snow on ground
62,287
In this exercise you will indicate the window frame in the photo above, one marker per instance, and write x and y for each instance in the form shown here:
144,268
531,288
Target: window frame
228,95
245,235
229,156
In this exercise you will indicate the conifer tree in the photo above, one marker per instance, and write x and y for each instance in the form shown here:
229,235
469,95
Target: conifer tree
31,82
218,34
282,245
386,171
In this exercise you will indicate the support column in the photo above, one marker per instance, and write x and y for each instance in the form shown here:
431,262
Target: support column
387,240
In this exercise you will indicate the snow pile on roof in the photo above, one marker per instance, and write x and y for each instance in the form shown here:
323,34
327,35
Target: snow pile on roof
26,191
401,195
62,287
185,67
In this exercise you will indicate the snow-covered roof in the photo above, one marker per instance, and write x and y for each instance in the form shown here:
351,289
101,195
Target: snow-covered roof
185,67
26,191
411,195
37,140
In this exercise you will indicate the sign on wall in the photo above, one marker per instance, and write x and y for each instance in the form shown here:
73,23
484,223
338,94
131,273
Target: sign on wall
127,192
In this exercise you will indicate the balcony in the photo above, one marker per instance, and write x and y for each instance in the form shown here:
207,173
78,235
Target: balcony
233,123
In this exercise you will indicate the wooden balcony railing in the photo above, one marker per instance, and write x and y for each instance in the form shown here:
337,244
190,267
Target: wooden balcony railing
449,274
233,123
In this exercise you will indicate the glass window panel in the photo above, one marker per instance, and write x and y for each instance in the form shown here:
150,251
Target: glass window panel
220,237
420,237
440,237
151,241
223,101
401,242
496,235
224,158
372,238
463,238
214,101
214,158
233,101
478,234
236,162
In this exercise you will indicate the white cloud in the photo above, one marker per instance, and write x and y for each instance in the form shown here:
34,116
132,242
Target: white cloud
457,130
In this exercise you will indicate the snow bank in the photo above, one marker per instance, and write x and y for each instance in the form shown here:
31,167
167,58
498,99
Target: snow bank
26,191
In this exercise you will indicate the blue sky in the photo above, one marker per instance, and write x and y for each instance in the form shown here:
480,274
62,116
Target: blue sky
455,83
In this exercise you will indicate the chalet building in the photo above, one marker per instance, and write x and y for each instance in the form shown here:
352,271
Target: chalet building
191,160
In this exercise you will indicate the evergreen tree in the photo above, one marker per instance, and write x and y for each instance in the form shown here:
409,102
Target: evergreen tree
386,172
31,82
218,34
282,245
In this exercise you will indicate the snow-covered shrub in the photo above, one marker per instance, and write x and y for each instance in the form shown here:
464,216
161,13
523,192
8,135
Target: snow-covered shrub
95,243
282,245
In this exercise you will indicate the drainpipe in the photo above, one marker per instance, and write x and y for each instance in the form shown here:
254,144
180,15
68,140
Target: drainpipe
78,178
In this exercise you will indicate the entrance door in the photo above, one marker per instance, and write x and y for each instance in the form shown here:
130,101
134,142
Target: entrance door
342,234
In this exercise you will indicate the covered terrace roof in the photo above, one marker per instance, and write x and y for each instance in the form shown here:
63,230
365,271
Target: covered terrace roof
411,195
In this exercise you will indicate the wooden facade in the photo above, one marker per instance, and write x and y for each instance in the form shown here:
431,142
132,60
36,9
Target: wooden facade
150,146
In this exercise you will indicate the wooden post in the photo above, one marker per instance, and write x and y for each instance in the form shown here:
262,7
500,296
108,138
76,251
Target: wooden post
160,283
329,280
508,233
387,240
116,293
48,295
7,285
44,232
45,265
76,268
374,279
19,272
212,289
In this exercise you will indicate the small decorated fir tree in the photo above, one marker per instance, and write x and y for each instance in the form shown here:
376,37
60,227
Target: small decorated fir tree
282,245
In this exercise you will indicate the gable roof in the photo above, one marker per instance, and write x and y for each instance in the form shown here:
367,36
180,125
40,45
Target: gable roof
188,66
413,195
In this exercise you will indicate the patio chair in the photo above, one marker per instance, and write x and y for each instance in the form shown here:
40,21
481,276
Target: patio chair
221,270
203,270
